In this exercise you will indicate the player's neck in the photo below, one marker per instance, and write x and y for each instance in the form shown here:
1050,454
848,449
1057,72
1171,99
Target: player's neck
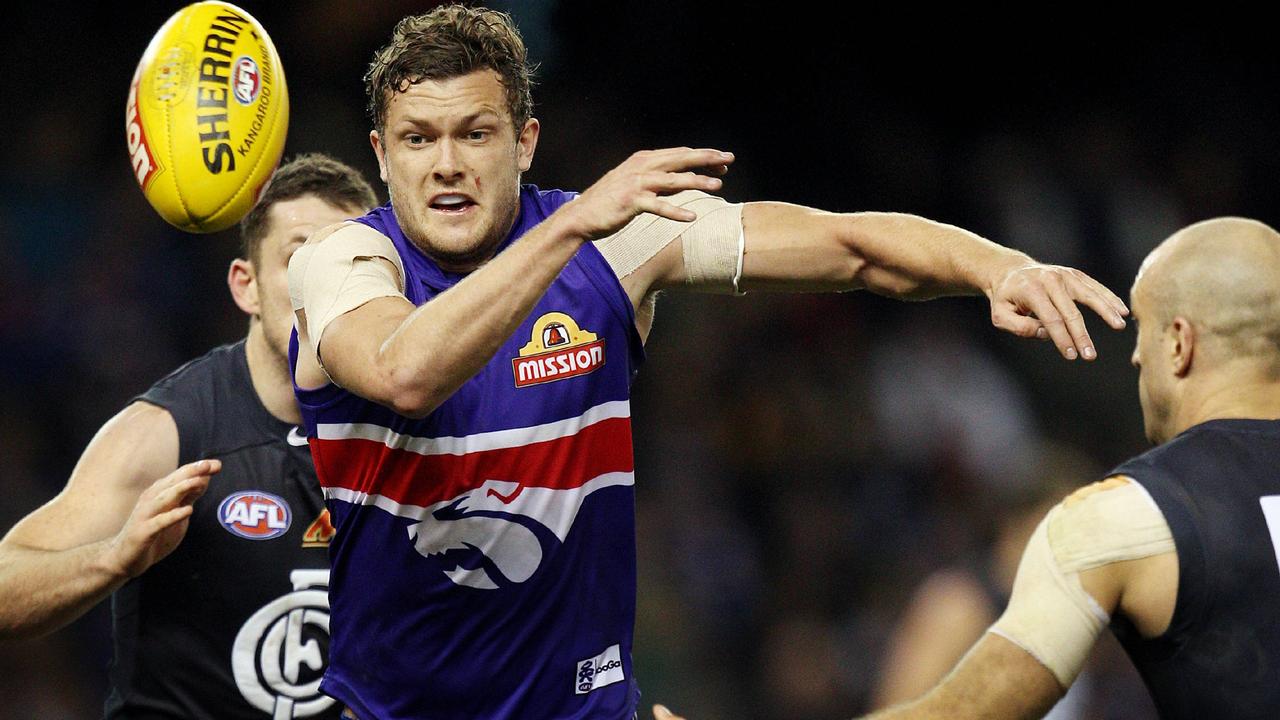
1232,398
270,374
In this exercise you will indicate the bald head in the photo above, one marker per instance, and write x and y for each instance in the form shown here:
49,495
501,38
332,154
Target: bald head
1223,276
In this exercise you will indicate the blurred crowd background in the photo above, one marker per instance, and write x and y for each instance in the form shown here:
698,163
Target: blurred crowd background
804,462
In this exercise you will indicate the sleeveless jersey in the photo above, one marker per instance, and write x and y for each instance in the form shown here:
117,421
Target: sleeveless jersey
234,623
484,561
1218,486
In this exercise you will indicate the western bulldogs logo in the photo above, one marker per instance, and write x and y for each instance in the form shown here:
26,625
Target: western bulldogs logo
483,520
255,515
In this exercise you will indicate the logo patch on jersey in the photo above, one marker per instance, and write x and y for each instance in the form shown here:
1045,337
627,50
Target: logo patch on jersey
557,350
279,655
603,669
483,520
255,515
320,532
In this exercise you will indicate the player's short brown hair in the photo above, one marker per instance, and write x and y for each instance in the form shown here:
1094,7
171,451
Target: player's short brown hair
331,180
448,42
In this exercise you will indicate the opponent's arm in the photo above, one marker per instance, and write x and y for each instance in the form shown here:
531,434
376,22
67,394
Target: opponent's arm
1105,548
794,248
411,359
111,522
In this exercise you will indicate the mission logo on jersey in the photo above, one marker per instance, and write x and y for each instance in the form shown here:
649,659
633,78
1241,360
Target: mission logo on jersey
557,350
255,515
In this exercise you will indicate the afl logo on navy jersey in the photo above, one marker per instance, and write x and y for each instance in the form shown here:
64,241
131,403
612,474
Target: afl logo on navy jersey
255,515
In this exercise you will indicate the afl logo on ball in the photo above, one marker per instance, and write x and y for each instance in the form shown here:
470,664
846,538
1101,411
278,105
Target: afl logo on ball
245,80
255,515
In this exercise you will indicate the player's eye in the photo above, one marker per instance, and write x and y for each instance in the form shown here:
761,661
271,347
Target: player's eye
415,139
478,135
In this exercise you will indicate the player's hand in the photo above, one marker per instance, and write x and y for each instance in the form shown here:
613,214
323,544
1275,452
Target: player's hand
660,712
640,184
159,519
1035,300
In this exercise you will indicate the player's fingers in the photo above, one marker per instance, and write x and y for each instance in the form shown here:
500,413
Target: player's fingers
1115,311
675,159
1089,294
1065,304
192,469
1037,301
664,209
670,183
168,519
1004,318
177,494
660,712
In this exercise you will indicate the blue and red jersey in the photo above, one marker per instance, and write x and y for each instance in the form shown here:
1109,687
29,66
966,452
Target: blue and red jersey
484,560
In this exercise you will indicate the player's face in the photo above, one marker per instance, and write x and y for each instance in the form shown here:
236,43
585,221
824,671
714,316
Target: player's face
289,223
1154,372
451,160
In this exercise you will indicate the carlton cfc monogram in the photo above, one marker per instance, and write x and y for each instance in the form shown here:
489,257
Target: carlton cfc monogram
557,350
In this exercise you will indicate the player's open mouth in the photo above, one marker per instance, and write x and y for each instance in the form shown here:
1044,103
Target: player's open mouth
452,204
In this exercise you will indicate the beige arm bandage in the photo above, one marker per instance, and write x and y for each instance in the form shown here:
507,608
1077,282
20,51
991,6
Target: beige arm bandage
713,244
338,273
1050,615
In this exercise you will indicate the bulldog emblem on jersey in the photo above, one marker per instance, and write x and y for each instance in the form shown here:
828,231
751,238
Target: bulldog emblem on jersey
502,521
557,350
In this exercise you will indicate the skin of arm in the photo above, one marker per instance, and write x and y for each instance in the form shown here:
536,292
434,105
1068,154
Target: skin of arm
997,680
412,359
111,522
946,616
795,248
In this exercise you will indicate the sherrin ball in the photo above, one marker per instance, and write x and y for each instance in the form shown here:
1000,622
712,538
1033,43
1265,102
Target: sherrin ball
206,117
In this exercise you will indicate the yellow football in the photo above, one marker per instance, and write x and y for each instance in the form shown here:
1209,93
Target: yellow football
206,117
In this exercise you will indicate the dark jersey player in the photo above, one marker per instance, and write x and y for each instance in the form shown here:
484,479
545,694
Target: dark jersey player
1179,548
234,622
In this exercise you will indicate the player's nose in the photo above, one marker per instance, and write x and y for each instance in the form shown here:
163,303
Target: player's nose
448,166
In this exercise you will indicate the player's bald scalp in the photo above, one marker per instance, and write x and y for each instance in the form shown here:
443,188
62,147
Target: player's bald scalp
1223,275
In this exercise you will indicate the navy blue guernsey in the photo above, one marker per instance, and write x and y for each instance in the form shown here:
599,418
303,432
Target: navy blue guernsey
1218,486
234,625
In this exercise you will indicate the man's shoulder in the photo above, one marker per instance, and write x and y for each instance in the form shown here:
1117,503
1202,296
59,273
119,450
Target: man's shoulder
221,362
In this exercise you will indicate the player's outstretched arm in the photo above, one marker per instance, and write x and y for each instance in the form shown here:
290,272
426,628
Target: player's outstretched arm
412,359
996,680
111,522
793,248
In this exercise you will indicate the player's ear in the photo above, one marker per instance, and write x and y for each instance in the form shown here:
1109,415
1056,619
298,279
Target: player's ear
376,141
1182,346
527,143
242,279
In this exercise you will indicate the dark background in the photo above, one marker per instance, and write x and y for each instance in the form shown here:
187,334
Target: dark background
804,461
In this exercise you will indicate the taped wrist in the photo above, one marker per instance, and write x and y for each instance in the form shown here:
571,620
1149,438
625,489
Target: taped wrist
712,244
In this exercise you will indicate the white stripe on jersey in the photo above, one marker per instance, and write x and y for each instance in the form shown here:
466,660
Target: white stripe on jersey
495,440
552,507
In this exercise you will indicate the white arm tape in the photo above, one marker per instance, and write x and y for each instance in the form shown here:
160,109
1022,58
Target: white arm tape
712,244
338,273
1050,615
